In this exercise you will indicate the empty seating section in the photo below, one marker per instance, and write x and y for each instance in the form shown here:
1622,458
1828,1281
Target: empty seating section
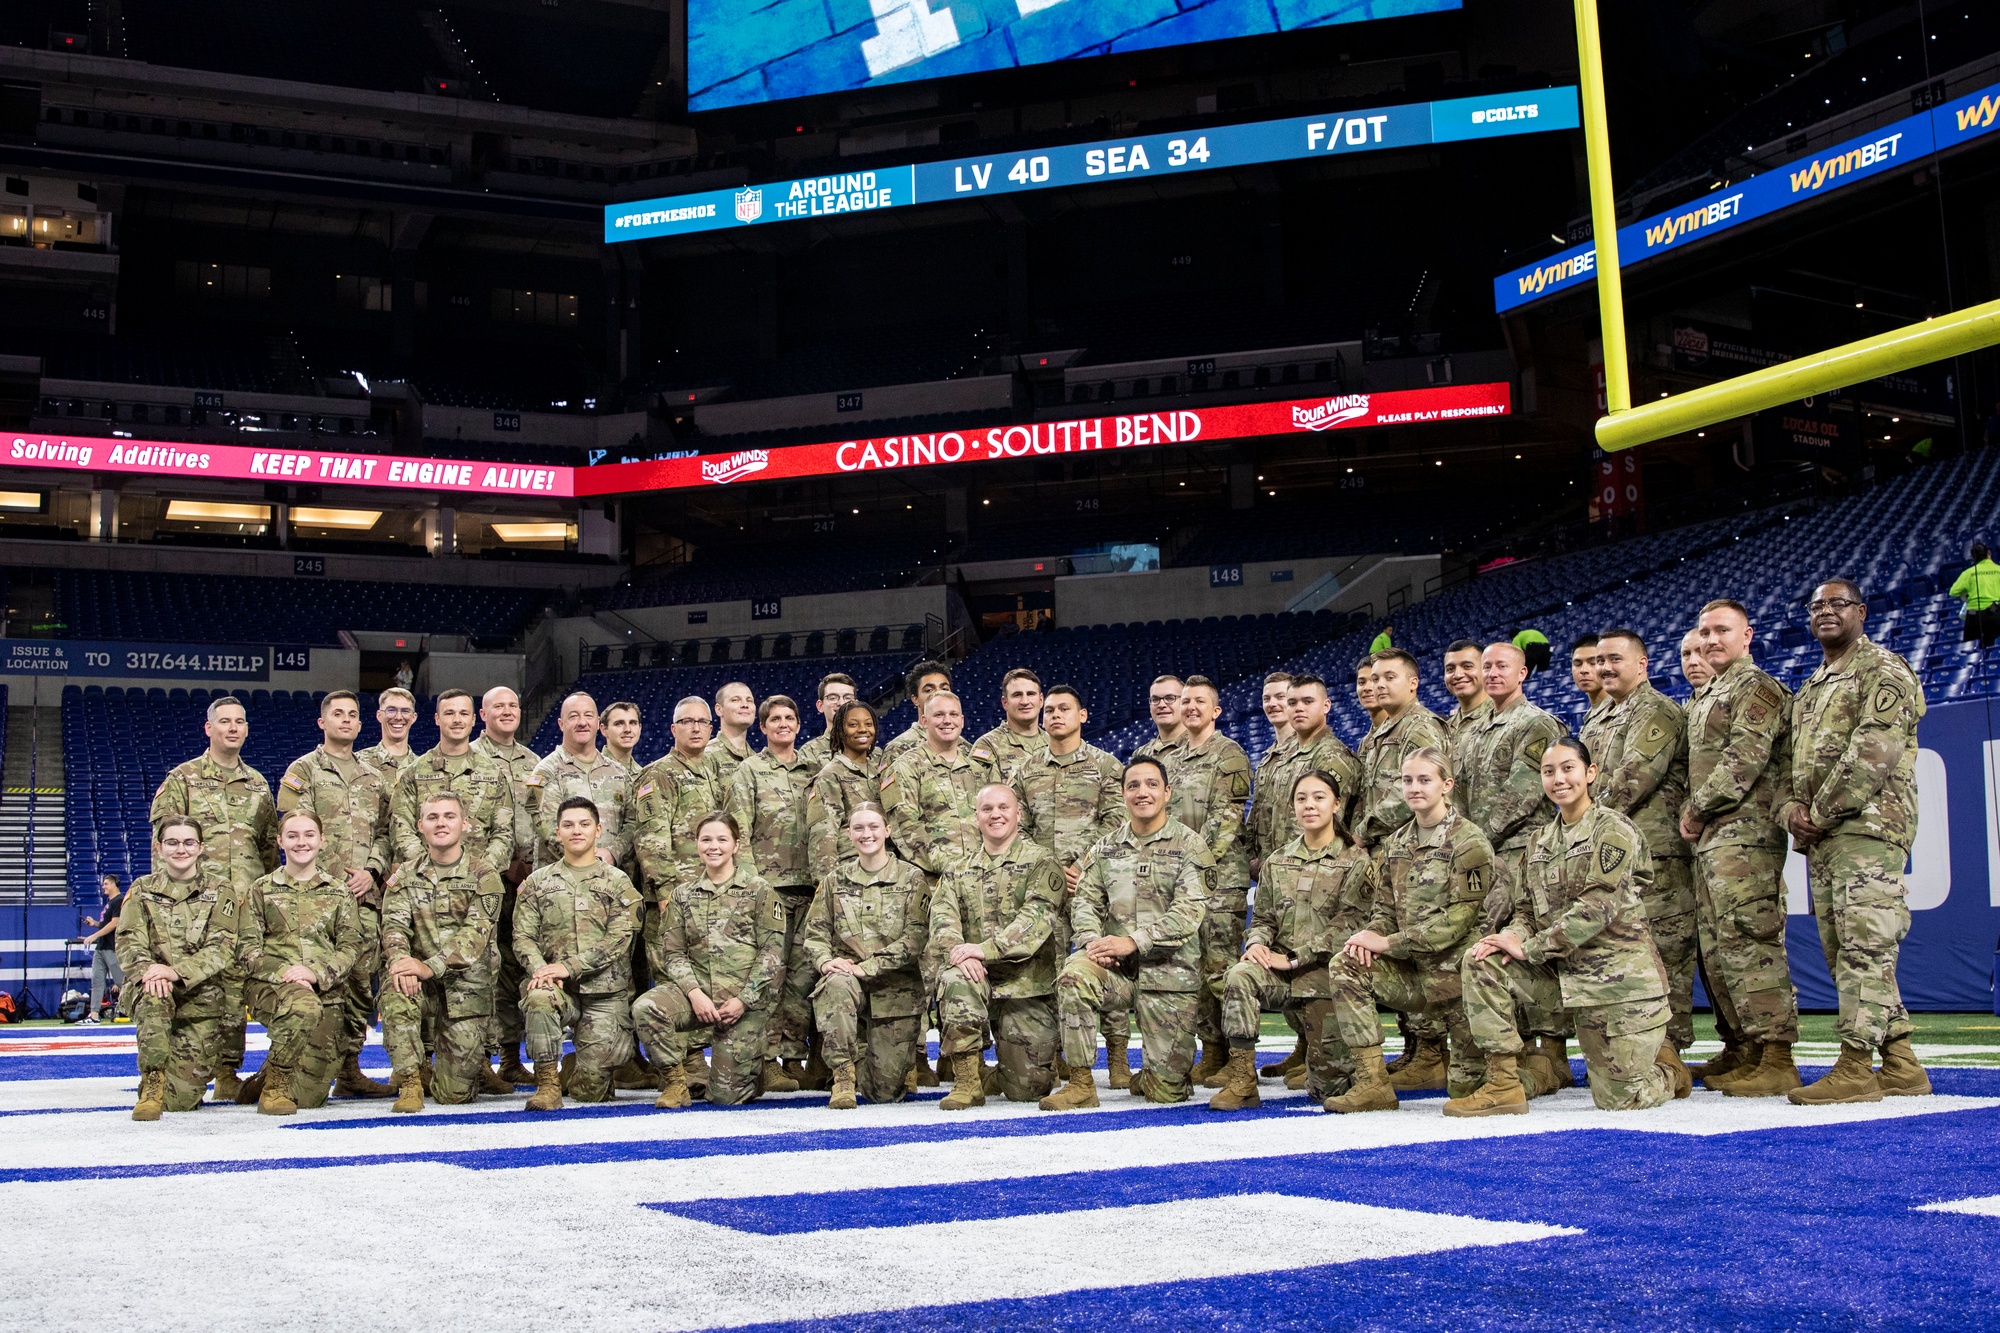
1434,521
216,608
739,574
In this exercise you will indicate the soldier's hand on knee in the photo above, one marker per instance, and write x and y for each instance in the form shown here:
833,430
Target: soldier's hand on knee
728,1012
1502,943
1363,946
405,983
299,976
833,965
159,981
704,1008
1108,949
548,975
1268,958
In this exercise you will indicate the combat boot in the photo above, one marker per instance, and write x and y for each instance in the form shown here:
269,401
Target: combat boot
490,1083
1239,1082
1297,1078
634,1073
351,1082
227,1085
1118,1060
1425,1070
1372,1091
1669,1059
694,1069
276,1097
1554,1052
1078,1093
674,1093
968,1082
1288,1066
1852,1079
152,1095
777,1080
1500,1094
814,1076
926,1076
1734,1062
842,1096
250,1089
410,1099
564,1070
1142,1079
511,1067
1207,1072
989,1079
1901,1075
548,1086
1775,1073
427,1075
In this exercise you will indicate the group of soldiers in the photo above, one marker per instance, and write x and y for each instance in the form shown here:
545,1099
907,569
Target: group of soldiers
805,913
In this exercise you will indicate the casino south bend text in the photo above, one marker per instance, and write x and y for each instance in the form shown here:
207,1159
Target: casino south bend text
1051,437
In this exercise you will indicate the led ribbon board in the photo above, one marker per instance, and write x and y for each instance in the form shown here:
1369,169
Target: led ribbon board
1899,145
338,467
1138,157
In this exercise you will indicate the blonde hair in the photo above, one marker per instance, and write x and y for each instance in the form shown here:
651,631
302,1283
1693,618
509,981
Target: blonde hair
1436,758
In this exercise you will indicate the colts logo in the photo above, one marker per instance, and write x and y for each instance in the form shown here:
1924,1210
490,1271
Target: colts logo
749,205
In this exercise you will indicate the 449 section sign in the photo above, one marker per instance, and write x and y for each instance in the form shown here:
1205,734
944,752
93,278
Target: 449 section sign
140,661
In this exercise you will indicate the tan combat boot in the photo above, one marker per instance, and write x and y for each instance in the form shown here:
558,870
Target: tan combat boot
1372,1091
1775,1073
1239,1082
630,1076
926,1076
1554,1052
674,1093
410,1099
511,1067
1852,1079
1118,1060
548,1086
276,1097
1078,1093
1669,1059
968,1087
250,1089
1901,1075
777,1080
491,1084
842,1096
351,1082
227,1085
1717,1073
814,1076
152,1095
1207,1072
1500,1094
427,1075
1425,1071
1297,1078
1288,1066
694,1069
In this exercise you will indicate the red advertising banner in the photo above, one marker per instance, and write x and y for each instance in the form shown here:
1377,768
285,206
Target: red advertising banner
156,458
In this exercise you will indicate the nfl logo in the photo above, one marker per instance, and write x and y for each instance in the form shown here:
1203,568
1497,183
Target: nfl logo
749,205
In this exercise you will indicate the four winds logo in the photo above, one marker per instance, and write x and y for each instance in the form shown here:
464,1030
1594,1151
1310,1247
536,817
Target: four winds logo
749,205
1332,412
722,471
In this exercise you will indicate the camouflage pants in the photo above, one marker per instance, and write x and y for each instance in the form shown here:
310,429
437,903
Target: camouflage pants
1114,1021
1426,985
305,1030
1861,905
1221,947
601,1024
1166,1022
458,1038
1250,988
665,1021
1740,911
227,1053
1620,1041
175,1041
880,1045
503,1028
1024,1032
358,991
790,1035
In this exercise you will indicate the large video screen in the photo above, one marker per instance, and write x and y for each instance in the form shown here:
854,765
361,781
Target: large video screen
746,51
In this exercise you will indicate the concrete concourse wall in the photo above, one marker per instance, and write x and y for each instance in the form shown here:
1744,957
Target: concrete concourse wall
1185,594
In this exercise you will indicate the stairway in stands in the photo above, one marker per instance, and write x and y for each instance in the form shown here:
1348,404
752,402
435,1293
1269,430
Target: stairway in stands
41,744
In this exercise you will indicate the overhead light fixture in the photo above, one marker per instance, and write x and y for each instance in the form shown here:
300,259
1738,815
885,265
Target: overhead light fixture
358,519
31,501
215,511
531,532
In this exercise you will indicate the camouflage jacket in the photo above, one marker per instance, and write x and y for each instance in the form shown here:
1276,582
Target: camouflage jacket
1156,748
1307,904
391,766
1209,788
1579,909
1459,721
1593,718
1598,724
839,786
819,752
1271,822
1641,754
930,799
352,802
1378,808
1854,746
1431,886
879,920
901,744
520,762
239,823
1739,741
1152,889
1008,906
666,799
448,919
561,775
723,759
1009,750
583,919
480,782
768,801
191,925
726,940
1498,767
311,921
1069,801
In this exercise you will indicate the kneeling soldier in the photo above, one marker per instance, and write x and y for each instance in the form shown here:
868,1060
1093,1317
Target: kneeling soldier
573,925
1577,941
864,934
440,937
720,959
299,935
992,926
176,937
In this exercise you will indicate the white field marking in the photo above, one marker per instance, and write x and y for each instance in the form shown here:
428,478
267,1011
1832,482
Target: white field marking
1985,1205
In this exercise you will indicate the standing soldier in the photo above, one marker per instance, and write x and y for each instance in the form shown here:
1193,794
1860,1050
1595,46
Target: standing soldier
1853,812
1264,780
352,802
835,692
440,939
453,765
1163,703
1019,735
573,928
1583,674
1739,777
578,768
620,728
664,805
735,710
922,681
852,775
395,714
1694,667
176,940
231,803
500,741
1463,681
1210,777
1365,693
1277,685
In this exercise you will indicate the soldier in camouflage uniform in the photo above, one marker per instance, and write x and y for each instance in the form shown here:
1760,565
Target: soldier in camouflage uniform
1210,776
928,791
1136,922
621,728
1163,703
922,681
578,768
1853,812
440,942
500,714
1432,877
993,939
1583,674
352,802
1739,741
866,931
835,692
573,928
767,799
735,710
1577,941
851,776
232,803
454,766
720,961
1019,736
298,936
176,939
1316,891
395,714
1462,680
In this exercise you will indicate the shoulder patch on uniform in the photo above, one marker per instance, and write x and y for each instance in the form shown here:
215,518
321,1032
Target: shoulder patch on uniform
1651,739
1534,750
982,752
888,780
294,781
646,790
1609,857
532,780
1887,699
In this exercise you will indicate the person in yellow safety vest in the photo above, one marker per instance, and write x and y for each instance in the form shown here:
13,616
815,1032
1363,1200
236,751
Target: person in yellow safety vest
1979,588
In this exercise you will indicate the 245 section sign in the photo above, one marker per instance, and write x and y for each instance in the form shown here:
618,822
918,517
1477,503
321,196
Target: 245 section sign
1137,430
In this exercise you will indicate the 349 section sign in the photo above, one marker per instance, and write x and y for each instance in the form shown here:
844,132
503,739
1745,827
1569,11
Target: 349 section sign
140,661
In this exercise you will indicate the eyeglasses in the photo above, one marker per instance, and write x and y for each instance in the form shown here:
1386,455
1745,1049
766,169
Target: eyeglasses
398,712
179,842
1832,604
1165,699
